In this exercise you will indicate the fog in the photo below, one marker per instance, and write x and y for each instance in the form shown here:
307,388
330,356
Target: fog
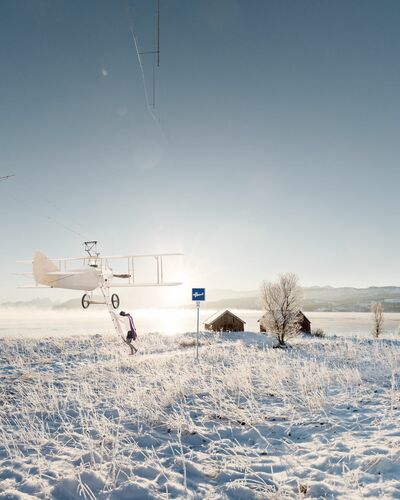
32,322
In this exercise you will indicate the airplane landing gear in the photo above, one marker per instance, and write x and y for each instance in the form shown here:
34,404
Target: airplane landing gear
112,301
115,300
85,301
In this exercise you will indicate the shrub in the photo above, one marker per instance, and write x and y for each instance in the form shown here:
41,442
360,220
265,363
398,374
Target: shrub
318,332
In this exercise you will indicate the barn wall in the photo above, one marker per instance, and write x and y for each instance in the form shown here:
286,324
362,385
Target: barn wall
227,323
305,324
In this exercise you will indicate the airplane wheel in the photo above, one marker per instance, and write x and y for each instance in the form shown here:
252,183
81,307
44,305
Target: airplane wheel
85,301
115,300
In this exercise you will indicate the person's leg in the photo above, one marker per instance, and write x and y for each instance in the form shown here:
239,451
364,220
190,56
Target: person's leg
133,349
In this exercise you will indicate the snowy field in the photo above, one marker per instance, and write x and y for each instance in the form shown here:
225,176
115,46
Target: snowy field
81,419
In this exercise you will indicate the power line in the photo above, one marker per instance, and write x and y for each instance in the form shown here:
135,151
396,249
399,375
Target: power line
5,177
32,209
155,52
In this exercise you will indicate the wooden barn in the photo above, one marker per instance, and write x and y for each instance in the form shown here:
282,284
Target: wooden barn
224,322
305,323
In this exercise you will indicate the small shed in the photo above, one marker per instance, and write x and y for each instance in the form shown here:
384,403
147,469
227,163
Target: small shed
305,323
224,322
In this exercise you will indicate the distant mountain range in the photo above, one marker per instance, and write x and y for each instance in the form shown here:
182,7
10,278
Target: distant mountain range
43,304
351,299
34,303
343,299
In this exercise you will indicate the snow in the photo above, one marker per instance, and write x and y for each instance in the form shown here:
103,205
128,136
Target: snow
79,418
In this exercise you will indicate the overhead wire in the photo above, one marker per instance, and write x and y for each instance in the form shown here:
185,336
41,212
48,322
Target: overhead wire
5,177
150,108
49,217
33,210
53,205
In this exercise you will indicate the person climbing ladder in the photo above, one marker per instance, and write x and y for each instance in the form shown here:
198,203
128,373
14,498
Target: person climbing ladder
127,323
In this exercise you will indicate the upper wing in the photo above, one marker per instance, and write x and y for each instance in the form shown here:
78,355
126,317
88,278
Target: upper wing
125,270
87,259
143,270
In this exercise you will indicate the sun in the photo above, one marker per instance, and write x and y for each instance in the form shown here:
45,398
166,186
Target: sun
180,294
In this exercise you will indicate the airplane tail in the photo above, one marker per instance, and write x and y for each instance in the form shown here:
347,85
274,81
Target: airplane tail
41,266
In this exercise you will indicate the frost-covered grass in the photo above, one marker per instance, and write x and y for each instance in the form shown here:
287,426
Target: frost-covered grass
79,418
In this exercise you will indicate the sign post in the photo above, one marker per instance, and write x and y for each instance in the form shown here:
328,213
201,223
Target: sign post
198,295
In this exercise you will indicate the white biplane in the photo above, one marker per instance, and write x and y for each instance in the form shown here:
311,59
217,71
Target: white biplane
93,271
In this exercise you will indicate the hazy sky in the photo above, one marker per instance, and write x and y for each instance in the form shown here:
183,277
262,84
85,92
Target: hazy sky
278,147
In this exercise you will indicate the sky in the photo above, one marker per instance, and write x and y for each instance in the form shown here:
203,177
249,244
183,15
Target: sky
274,146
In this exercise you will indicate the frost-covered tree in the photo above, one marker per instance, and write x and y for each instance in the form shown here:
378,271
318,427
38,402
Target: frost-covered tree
377,319
282,302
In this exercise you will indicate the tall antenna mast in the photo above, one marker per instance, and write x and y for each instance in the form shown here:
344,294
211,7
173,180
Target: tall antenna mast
156,51
158,33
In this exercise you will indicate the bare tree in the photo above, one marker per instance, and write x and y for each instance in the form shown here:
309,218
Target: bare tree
377,319
282,302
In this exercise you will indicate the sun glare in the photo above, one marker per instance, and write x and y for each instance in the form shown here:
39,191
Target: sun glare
179,295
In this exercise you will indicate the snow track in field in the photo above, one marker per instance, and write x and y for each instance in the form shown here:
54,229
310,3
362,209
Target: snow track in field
79,418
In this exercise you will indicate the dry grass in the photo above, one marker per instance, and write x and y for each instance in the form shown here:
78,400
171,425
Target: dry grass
81,409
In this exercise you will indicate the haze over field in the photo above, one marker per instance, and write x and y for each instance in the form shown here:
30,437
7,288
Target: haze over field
323,299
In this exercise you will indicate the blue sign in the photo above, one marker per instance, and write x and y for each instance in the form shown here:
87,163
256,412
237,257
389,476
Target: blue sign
198,294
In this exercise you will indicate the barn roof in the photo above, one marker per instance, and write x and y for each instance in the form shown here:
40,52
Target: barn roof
304,316
218,314
300,312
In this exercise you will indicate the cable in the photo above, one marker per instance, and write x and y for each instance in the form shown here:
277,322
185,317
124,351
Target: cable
31,207
138,54
51,204
143,76
5,177
48,217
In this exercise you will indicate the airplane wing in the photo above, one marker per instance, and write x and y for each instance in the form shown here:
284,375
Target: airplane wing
143,285
143,270
61,273
104,257
123,271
